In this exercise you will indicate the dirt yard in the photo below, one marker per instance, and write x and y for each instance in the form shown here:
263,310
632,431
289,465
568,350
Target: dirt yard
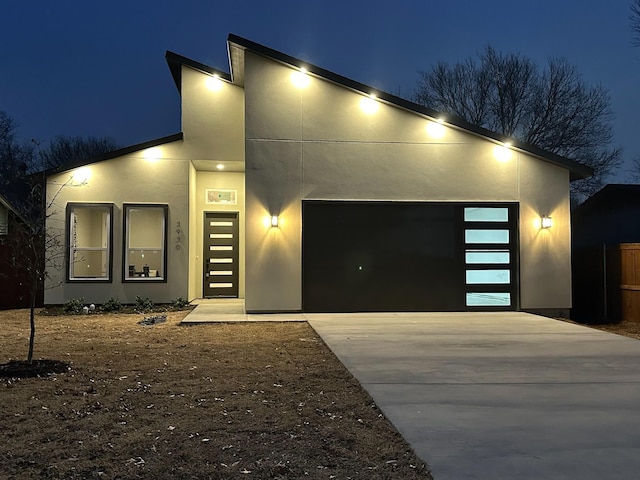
628,329
216,401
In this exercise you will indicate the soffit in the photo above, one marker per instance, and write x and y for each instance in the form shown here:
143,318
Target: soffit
212,166
236,64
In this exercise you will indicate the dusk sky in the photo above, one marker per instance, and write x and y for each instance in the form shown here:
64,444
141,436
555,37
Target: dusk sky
73,67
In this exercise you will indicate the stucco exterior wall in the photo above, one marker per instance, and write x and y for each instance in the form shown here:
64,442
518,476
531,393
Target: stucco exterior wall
317,142
212,117
193,242
213,128
545,255
294,144
132,178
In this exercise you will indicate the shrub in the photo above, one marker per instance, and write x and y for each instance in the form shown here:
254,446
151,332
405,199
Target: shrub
180,303
143,304
74,306
111,305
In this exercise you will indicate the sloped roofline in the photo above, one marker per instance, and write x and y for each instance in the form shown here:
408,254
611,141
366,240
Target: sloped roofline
175,62
116,153
626,192
237,45
11,208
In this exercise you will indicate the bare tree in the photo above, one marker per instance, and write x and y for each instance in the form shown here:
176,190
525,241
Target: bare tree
16,161
634,19
553,108
37,250
635,170
63,150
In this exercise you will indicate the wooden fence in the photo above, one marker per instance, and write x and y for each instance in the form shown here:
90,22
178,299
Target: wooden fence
629,282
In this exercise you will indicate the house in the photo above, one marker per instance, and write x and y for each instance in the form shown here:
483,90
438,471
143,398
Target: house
606,256
298,189
15,282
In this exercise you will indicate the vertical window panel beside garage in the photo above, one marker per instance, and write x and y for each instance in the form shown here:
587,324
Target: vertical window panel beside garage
490,257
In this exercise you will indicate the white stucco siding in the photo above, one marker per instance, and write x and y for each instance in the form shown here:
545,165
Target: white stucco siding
194,284
406,171
318,143
545,255
273,255
128,179
212,118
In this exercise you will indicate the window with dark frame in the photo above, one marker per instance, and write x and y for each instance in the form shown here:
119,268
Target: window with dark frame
145,243
89,242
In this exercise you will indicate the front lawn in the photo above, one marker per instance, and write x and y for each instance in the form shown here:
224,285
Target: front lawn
219,401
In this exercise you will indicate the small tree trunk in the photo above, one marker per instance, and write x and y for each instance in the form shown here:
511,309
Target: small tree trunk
32,336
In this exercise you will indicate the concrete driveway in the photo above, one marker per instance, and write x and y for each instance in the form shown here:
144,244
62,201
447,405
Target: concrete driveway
499,395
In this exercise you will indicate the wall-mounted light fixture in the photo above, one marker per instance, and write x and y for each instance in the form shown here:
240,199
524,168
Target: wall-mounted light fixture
220,166
503,152
300,78
81,176
545,222
274,220
214,82
435,128
152,154
369,104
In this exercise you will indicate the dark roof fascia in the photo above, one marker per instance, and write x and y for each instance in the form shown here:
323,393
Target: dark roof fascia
116,153
7,204
577,170
624,191
11,208
176,61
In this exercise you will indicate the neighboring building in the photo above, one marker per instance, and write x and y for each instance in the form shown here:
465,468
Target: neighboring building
380,204
14,281
606,237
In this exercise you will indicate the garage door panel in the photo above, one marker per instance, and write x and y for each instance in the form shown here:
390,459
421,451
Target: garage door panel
402,256
379,257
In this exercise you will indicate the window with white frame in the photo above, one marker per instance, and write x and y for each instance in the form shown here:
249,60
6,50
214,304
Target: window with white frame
89,228
145,240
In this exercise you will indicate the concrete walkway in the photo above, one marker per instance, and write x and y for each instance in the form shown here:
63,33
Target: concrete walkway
499,396
232,310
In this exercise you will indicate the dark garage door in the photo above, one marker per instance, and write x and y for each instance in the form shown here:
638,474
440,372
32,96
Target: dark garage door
398,256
